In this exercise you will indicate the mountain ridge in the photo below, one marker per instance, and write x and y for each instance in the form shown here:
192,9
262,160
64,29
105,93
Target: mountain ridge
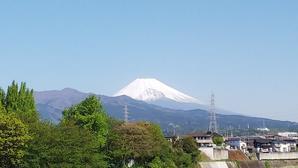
50,104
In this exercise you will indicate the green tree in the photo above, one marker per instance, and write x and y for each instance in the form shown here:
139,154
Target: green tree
189,146
2,105
186,152
142,142
130,141
21,102
91,115
11,100
2,98
156,163
182,159
218,140
64,145
13,138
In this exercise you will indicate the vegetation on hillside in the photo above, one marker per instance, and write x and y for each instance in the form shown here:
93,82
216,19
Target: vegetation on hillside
85,137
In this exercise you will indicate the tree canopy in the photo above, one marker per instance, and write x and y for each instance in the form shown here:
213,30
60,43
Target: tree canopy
140,141
218,140
85,137
64,145
91,115
190,151
20,101
13,140
17,110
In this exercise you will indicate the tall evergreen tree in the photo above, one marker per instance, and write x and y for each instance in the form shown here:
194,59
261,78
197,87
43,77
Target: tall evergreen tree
2,97
2,100
2,108
22,95
30,102
11,100
21,102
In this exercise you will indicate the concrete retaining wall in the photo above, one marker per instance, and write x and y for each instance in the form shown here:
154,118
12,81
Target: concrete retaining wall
229,164
277,156
208,152
216,165
220,154
251,164
215,154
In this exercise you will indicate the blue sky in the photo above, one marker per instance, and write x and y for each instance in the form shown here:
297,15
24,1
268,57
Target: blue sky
245,52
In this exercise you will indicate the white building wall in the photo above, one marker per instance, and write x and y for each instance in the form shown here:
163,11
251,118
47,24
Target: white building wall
277,156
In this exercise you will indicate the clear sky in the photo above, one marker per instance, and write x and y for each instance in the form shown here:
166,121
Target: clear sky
246,52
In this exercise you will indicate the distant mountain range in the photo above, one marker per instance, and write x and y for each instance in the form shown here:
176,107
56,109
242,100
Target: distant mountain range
50,104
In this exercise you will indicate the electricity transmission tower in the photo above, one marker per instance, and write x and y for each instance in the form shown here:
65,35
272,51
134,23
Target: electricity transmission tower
125,114
212,116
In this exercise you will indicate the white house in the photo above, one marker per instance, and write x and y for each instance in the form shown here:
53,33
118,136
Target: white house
281,146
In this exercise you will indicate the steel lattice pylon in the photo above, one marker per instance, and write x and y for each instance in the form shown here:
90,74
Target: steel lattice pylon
125,114
212,116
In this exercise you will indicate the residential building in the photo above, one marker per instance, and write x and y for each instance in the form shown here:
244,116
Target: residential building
237,143
203,139
292,135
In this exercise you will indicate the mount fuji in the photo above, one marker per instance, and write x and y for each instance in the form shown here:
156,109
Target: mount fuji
155,92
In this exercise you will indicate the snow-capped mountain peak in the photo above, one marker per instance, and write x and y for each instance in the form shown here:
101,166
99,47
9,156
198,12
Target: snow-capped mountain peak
150,90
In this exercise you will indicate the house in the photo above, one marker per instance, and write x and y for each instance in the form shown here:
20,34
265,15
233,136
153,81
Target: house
263,145
272,136
286,145
291,135
281,146
206,145
250,143
237,143
292,144
204,139
172,139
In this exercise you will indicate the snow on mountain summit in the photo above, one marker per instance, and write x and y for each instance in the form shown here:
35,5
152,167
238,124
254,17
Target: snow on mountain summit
150,90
